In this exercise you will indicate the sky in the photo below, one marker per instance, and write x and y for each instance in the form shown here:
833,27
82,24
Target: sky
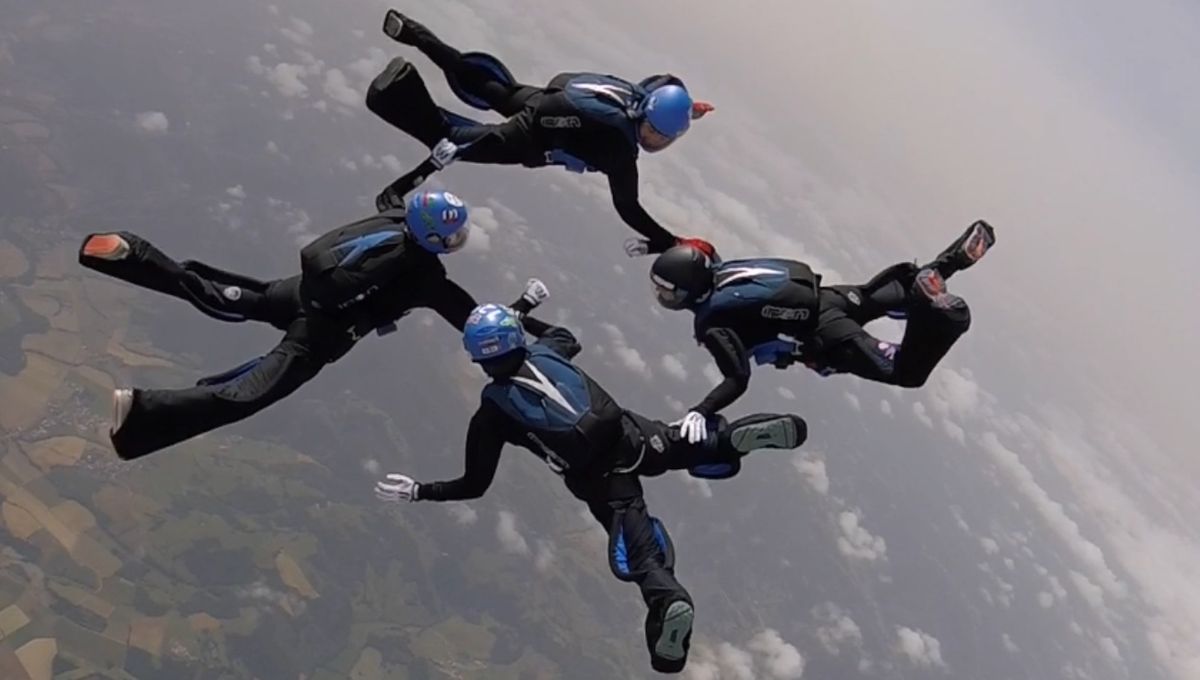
1068,125
853,135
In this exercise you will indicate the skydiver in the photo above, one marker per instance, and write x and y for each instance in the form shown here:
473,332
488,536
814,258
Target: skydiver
537,399
357,278
776,312
585,121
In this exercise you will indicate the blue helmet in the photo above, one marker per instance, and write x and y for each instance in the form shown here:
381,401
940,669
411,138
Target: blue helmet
492,331
668,111
438,221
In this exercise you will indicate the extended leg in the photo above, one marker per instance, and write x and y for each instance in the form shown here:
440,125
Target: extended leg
491,84
889,292
966,250
399,96
929,334
640,551
221,295
719,455
155,419
507,143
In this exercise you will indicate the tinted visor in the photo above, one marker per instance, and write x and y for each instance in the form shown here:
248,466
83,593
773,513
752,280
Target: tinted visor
667,295
651,139
456,240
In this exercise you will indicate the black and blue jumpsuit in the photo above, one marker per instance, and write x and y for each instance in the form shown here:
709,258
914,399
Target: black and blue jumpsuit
774,311
312,338
585,118
554,409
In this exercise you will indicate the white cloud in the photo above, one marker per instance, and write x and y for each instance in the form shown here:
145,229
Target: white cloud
338,88
480,241
392,164
371,466
462,513
1010,646
349,165
1045,599
766,656
954,392
1110,648
886,407
484,218
1057,588
312,65
369,66
237,192
261,592
288,79
298,31
959,520
856,541
674,367
1091,593
987,596
853,401
153,122
920,648
296,220
836,628
543,559
921,414
1055,515
786,393
510,537
954,431
781,660
990,546
738,662
712,373
812,469
628,356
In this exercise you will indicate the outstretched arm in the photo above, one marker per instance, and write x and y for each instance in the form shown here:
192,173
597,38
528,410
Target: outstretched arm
731,358
452,303
556,338
442,154
623,183
484,443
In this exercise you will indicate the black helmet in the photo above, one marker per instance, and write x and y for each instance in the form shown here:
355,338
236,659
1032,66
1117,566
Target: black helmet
682,277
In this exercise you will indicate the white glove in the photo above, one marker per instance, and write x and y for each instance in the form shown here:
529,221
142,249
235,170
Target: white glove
443,154
693,427
637,247
397,488
535,293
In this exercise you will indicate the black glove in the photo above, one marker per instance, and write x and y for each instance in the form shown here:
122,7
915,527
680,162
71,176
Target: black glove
389,199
